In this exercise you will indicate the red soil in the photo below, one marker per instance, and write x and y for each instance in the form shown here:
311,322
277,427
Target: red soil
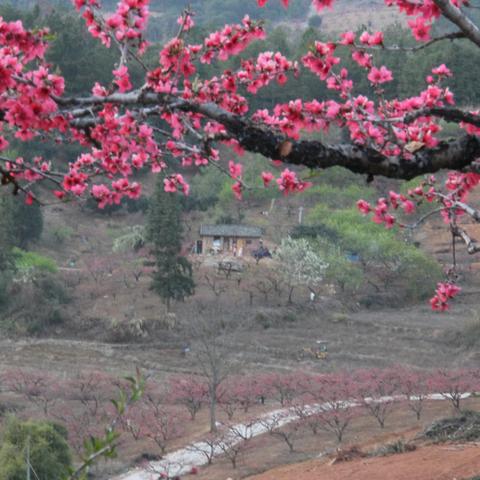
438,462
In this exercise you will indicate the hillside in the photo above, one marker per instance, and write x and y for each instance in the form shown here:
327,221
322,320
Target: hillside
112,301
372,14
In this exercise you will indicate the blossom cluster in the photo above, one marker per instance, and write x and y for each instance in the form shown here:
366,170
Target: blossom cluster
445,291
126,25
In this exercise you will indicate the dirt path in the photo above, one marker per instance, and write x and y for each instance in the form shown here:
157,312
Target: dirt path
180,462
445,462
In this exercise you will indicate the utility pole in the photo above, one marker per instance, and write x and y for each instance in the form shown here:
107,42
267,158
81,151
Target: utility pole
28,458
300,215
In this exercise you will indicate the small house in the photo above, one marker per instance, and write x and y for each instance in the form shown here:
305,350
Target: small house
233,239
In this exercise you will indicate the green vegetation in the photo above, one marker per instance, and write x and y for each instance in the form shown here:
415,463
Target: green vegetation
205,188
28,223
20,224
33,262
340,197
132,240
360,253
341,270
172,279
62,233
43,443
6,231
386,261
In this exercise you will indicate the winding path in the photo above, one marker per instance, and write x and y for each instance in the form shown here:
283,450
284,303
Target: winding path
180,462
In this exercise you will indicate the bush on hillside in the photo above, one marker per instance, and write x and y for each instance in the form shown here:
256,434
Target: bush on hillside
33,263
362,251
49,454
465,427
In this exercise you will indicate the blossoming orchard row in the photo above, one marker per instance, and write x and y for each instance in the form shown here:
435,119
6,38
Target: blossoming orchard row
327,402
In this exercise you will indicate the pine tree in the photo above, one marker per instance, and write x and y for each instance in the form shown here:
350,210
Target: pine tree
172,279
7,225
7,261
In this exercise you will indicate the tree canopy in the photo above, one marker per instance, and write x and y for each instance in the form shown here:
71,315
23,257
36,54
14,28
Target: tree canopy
172,279
42,444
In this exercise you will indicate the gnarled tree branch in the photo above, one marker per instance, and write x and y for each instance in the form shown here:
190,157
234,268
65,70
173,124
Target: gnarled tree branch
447,113
455,154
472,245
456,16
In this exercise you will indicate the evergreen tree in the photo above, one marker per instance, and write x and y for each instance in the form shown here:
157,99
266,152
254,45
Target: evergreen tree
28,225
172,279
6,230
7,261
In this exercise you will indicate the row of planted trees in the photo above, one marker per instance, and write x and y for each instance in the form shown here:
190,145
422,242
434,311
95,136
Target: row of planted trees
296,402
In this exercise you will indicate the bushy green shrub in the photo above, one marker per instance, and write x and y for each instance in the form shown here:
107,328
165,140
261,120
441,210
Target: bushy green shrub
62,233
52,290
343,272
32,261
133,239
336,197
381,257
49,454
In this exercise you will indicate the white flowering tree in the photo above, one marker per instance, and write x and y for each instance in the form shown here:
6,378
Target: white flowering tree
301,265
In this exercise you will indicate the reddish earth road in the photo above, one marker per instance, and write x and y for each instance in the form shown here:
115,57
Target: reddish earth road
439,462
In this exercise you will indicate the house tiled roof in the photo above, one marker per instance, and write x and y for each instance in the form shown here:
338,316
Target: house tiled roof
230,231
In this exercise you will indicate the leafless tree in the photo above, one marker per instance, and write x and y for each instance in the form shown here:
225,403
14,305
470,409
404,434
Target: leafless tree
208,447
279,426
215,285
212,336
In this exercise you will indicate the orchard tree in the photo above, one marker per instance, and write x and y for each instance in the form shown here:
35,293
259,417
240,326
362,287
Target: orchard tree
189,391
454,385
213,351
281,425
377,392
156,422
416,386
334,397
172,279
39,388
175,117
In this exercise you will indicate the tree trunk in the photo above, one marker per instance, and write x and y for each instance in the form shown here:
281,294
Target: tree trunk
289,443
213,404
290,294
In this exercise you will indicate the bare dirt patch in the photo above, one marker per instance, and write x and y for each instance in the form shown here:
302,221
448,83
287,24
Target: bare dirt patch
432,462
